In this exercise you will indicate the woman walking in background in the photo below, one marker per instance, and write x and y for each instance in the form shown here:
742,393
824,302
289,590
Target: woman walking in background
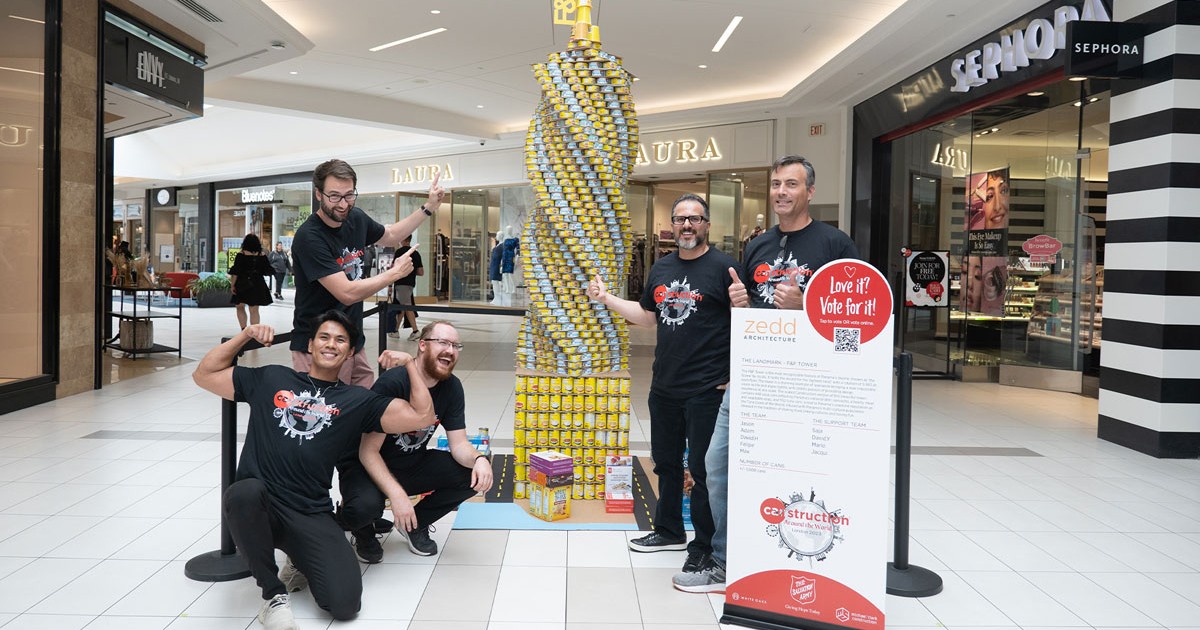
246,276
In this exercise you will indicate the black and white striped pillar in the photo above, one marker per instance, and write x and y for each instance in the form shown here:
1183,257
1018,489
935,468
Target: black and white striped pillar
1150,358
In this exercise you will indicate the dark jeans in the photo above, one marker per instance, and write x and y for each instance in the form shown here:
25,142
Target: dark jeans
315,543
279,278
426,470
674,424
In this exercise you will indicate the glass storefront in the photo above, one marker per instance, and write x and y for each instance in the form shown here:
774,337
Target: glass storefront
271,212
986,187
22,227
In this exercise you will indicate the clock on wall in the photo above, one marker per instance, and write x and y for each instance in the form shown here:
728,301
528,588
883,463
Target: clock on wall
163,197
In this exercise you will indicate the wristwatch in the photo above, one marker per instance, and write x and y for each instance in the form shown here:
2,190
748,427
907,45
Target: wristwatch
427,212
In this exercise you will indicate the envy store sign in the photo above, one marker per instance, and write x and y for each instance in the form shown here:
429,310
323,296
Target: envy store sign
1040,40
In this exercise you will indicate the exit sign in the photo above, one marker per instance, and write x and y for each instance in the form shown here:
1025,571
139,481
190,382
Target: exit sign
816,130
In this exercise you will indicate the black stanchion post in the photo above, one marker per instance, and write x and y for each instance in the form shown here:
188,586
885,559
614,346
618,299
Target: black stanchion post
226,563
904,579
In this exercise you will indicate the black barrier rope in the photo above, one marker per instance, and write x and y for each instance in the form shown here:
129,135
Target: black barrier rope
904,579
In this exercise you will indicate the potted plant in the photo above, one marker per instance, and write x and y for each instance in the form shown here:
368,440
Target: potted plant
212,290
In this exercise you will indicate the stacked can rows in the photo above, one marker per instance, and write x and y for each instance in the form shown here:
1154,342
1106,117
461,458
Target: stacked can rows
579,152
586,418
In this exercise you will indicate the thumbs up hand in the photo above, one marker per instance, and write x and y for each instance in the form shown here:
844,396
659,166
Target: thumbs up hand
597,290
737,291
788,294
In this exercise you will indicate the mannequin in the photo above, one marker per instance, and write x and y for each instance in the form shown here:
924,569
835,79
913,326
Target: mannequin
758,229
508,264
494,269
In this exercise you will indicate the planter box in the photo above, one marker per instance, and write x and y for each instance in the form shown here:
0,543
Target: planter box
213,299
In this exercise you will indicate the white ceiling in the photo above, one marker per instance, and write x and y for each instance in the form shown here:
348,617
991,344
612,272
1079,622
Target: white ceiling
323,94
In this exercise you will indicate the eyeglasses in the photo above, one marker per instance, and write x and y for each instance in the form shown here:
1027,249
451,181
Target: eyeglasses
694,219
446,343
337,197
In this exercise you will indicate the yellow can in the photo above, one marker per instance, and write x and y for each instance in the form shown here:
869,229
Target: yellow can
519,420
589,438
589,456
578,402
520,455
521,383
589,385
543,420
589,421
543,384
552,437
543,437
555,401
555,384
520,472
602,386
577,420
625,404
601,403
589,491
577,455
601,438
543,402
624,386
519,490
600,470
614,402
623,441
589,402
578,470
555,419
589,473
519,437
577,491
623,421
577,437
568,385
520,404
613,440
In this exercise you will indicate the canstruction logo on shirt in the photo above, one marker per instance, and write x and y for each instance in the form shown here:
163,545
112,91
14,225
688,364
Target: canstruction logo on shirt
676,301
351,262
303,415
767,275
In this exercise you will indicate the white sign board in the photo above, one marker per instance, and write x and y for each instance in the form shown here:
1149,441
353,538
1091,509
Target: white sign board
810,438
926,273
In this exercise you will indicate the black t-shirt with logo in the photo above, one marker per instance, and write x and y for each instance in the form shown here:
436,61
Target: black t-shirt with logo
769,258
298,430
690,302
449,405
318,251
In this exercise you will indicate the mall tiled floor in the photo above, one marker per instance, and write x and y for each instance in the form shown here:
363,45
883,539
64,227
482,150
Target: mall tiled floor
1031,521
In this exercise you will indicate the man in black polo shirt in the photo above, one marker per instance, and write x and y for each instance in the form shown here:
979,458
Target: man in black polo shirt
327,260
399,465
688,302
300,424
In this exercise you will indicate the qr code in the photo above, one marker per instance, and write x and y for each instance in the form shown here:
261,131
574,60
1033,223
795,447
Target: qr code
846,340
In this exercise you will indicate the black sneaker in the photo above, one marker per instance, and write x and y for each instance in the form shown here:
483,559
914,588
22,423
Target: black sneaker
657,542
367,547
419,541
696,561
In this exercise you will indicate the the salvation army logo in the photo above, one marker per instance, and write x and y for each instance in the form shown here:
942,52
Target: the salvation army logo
303,415
804,526
676,301
351,262
804,590
850,295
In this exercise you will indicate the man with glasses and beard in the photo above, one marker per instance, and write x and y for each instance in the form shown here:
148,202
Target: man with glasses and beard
396,466
327,261
689,304
778,263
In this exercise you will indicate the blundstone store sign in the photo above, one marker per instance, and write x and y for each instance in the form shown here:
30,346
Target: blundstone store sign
1041,39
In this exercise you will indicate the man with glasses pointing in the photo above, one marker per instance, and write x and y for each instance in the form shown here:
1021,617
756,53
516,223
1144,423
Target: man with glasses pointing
688,303
327,261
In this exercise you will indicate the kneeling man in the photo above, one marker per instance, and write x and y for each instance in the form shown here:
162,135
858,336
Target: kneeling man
398,465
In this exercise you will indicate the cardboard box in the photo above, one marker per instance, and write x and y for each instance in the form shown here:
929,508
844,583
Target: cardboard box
618,474
618,503
550,481
551,462
549,504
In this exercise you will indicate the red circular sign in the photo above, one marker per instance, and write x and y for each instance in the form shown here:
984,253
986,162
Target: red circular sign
935,289
848,294
762,273
772,511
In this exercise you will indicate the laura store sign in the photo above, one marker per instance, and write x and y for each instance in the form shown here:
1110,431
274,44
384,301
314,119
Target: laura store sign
1042,38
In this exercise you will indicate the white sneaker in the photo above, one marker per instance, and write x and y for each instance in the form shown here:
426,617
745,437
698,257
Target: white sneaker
276,614
293,580
416,334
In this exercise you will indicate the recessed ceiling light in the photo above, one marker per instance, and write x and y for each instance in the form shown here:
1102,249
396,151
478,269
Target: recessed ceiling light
1036,94
293,72
995,129
435,11
1093,99
1077,103
1077,79
733,24
702,66
479,107
407,39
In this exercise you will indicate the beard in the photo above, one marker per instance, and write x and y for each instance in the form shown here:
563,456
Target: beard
432,367
689,241
329,212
